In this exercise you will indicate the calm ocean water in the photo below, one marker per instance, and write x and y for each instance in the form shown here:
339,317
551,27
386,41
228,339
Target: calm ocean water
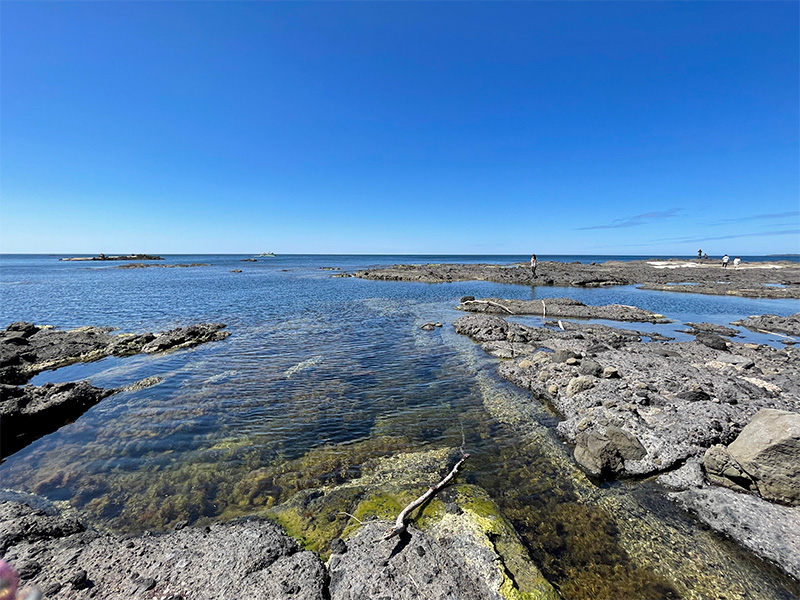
321,370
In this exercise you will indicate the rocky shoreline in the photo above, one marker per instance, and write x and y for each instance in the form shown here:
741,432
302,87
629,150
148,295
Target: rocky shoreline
780,279
28,412
702,414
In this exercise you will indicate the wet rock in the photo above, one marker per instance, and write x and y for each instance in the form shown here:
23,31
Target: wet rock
430,326
772,323
712,341
27,413
769,530
42,349
713,328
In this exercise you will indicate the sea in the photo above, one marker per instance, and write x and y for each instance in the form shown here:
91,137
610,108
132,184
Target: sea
321,376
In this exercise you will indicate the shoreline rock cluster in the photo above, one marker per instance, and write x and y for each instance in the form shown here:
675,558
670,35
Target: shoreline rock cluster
28,412
780,279
694,413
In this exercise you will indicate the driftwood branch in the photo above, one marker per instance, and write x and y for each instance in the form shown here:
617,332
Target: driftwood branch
400,522
497,304
775,333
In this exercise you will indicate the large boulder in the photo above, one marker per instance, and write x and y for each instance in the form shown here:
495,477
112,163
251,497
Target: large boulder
603,454
765,457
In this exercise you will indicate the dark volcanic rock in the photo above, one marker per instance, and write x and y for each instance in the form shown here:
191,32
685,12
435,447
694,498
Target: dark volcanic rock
764,458
31,412
27,413
26,349
772,323
243,559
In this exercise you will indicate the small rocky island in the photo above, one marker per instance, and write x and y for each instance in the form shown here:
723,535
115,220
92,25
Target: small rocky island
104,257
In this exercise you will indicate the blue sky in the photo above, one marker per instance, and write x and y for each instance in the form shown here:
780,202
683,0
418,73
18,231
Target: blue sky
379,127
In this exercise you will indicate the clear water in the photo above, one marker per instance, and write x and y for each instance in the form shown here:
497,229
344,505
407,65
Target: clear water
322,373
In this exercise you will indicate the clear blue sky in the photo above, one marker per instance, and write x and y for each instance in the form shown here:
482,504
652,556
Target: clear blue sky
379,127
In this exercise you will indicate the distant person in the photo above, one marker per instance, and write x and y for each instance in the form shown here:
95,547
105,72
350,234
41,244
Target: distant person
736,262
705,256
533,266
699,254
725,260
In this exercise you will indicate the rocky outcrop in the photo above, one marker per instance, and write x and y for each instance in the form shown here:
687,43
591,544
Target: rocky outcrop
30,412
26,349
27,413
757,280
676,400
772,324
764,458
560,307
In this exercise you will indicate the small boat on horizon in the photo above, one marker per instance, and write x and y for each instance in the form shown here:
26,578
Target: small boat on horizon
270,254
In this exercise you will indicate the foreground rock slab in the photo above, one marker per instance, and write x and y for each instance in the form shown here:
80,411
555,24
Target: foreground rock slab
246,559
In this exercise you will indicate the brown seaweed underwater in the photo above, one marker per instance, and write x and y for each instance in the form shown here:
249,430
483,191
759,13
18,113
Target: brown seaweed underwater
316,422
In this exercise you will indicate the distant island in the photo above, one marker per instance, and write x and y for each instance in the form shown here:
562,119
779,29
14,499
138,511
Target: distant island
121,257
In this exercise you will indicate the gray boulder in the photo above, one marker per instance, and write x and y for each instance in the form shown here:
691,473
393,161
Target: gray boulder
765,457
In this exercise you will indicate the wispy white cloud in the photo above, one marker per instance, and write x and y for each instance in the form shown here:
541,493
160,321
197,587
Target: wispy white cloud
767,217
636,220
733,236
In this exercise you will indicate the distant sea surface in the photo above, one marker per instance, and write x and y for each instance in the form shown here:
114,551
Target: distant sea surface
320,375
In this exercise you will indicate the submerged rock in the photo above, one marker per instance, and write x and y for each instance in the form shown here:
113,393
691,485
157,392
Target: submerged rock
768,530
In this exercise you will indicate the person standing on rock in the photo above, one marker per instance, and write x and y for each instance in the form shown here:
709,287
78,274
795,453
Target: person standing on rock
725,260
736,262
533,266
699,254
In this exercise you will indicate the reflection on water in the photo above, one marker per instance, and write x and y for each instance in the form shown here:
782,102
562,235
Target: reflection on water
322,376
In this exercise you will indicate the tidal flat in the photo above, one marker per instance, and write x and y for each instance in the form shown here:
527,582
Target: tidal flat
328,405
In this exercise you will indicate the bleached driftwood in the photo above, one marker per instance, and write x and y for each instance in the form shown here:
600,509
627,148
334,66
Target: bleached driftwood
400,522
497,304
